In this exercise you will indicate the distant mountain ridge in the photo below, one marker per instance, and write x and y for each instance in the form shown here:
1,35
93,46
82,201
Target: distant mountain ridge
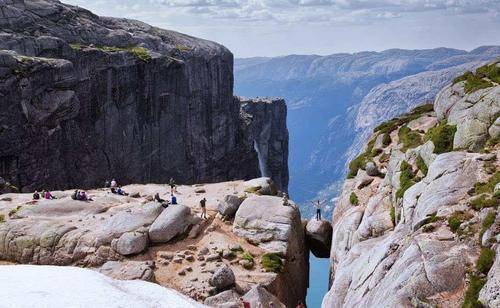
331,100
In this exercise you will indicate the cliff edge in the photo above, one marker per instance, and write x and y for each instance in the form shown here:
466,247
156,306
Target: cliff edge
85,98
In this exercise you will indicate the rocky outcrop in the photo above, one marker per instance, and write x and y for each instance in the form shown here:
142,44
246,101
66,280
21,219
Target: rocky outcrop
86,98
174,220
229,205
415,236
128,270
475,114
128,237
277,229
319,237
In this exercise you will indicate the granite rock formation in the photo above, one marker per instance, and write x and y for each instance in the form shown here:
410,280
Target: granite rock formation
86,98
128,237
413,236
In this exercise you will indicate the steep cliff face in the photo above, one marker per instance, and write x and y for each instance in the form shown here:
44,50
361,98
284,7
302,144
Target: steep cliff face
264,123
417,221
85,98
335,101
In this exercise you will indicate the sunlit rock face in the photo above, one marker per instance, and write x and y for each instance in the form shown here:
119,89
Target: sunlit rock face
424,231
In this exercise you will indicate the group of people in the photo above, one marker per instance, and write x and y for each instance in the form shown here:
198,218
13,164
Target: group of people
45,194
80,196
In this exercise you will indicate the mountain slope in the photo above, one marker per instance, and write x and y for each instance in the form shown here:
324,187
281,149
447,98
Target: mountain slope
417,220
325,93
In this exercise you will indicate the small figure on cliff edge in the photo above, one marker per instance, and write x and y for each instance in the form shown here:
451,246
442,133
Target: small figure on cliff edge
203,203
171,183
318,204
36,195
174,199
285,200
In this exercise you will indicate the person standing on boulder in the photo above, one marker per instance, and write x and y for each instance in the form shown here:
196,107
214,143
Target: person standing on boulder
172,185
318,204
203,204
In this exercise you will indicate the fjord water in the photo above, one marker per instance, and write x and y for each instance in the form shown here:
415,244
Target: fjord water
318,281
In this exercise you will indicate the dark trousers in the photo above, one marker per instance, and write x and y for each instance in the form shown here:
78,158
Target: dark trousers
318,214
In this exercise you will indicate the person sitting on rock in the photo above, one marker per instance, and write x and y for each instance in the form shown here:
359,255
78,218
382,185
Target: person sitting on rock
82,196
318,204
36,195
203,205
174,199
75,195
48,195
285,200
171,183
158,199
113,183
120,191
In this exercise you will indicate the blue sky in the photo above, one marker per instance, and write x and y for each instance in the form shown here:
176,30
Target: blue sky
280,27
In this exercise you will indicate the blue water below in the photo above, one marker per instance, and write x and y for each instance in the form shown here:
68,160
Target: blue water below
318,281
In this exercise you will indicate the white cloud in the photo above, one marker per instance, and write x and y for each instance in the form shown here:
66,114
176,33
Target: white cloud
273,27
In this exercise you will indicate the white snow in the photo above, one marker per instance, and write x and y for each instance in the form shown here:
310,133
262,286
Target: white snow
57,286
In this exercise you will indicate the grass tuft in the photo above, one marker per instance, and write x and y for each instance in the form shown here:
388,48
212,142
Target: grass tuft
406,180
483,201
353,198
489,220
421,165
485,260
386,139
476,283
442,136
409,138
272,262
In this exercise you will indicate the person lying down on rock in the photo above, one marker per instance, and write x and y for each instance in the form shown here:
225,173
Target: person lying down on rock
80,196
118,191
163,202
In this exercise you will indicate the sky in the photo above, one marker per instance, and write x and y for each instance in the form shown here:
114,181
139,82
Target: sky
252,28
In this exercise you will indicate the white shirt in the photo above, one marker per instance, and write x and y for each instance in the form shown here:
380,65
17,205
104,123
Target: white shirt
113,183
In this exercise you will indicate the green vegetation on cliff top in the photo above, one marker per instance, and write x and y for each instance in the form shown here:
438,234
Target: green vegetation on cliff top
481,79
139,52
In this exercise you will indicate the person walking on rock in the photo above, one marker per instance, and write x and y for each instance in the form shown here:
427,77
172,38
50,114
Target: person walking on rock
203,205
172,186
318,204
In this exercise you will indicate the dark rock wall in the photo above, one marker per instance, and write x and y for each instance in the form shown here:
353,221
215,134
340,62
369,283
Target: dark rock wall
85,113
265,124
